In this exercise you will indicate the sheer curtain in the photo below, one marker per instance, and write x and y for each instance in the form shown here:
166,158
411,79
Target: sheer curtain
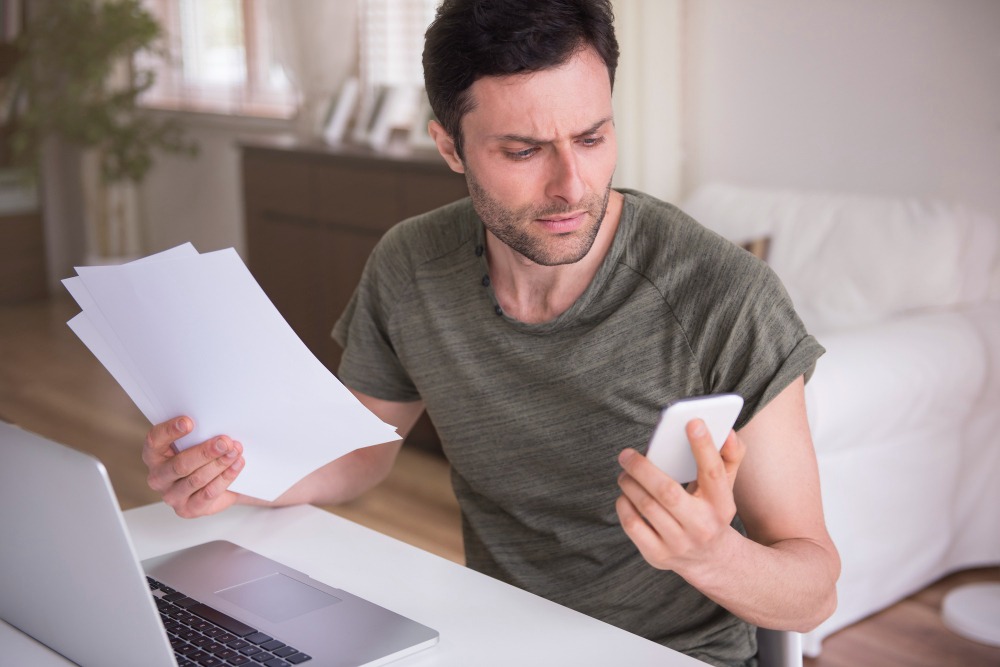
647,97
316,43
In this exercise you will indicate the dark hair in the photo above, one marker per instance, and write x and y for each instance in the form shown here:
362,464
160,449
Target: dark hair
471,39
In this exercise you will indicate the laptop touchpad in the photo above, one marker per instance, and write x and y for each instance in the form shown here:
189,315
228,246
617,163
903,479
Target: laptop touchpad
277,597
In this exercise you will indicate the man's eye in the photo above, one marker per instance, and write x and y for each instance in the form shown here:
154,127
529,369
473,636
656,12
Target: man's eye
521,155
592,141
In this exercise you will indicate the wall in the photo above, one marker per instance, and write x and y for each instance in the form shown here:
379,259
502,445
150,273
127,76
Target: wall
201,200
897,97
647,96
182,199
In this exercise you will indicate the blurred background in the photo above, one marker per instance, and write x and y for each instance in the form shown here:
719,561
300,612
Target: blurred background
294,132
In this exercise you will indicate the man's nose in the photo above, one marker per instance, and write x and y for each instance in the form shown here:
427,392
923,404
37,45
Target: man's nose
565,179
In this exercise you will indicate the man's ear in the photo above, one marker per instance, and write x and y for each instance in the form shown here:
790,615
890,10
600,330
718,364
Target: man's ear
446,146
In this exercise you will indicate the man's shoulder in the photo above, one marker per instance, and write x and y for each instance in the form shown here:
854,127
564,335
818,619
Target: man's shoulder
430,235
399,262
662,239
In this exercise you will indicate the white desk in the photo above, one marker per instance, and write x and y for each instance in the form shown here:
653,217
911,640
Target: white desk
482,621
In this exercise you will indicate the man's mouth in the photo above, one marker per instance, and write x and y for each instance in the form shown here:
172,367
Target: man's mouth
563,223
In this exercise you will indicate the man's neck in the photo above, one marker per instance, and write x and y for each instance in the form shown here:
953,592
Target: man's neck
533,293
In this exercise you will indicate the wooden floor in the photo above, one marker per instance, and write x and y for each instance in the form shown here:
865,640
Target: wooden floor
50,384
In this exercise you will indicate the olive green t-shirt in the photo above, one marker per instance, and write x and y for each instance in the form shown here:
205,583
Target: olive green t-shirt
532,417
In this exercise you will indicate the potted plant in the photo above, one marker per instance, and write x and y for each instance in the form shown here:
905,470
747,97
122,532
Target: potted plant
76,78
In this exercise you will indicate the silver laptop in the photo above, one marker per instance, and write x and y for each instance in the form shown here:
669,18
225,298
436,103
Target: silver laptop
69,578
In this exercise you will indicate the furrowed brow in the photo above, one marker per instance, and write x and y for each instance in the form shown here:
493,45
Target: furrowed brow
524,139
595,127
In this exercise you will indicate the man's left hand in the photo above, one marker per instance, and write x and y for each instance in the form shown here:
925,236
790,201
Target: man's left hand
673,526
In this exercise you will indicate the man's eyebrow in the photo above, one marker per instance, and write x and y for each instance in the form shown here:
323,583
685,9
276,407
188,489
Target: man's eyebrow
524,139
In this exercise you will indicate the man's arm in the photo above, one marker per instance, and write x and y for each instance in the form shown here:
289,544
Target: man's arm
782,577
196,482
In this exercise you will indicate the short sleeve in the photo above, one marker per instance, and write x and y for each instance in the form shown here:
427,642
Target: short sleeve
742,326
369,363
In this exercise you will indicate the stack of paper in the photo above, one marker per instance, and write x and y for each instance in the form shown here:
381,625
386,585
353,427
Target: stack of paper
193,334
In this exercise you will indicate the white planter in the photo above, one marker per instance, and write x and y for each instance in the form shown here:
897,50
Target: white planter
111,213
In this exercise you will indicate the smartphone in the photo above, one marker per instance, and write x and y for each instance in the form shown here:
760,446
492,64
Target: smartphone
669,448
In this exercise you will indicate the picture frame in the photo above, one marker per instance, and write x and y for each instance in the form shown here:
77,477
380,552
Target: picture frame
419,137
370,107
342,108
395,117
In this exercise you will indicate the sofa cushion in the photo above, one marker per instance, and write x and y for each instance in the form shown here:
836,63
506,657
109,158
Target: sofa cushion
850,260
758,247
895,379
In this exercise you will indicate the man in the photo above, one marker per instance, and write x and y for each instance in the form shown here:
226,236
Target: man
543,323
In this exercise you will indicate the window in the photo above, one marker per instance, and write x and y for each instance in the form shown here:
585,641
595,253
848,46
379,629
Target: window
220,58
392,41
222,54
390,45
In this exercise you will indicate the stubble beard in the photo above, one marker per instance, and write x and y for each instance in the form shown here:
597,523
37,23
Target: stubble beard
514,226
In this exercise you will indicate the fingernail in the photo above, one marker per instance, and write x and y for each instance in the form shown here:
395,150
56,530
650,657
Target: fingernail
625,456
181,425
220,446
230,455
699,428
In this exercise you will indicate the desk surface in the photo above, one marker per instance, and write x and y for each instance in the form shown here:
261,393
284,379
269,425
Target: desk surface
482,621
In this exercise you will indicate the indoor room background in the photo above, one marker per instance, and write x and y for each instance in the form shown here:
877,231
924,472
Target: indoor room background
891,97
873,105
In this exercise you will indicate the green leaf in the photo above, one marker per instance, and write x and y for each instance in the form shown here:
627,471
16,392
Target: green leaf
68,82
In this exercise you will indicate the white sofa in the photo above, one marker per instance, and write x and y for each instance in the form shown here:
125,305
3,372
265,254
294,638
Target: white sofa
905,404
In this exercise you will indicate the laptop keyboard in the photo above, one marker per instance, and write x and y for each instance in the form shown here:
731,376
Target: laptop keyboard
205,637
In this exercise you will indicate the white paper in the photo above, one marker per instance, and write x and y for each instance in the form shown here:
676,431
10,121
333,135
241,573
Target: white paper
195,335
85,330
92,328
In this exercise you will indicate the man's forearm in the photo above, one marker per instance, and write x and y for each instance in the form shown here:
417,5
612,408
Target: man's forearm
352,474
339,481
790,585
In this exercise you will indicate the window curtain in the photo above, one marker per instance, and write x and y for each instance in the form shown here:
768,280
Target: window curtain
316,43
647,96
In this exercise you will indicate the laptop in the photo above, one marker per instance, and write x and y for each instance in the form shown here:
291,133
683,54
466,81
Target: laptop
69,578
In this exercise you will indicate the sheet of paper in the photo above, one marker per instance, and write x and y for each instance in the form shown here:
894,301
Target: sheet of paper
197,336
93,330
98,345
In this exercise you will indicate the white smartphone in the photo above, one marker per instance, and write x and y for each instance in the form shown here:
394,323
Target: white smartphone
669,448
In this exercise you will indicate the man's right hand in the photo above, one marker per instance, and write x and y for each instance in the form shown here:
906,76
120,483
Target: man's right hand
195,482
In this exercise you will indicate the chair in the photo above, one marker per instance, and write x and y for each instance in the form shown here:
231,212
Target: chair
778,648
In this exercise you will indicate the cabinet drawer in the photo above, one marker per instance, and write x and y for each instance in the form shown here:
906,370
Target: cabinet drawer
357,196
424,190
275,183
22,258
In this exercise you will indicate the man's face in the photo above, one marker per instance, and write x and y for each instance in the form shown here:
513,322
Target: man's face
540,152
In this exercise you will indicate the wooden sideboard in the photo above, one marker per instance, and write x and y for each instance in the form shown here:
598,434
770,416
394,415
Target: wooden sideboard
22,257
313,215
23,274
